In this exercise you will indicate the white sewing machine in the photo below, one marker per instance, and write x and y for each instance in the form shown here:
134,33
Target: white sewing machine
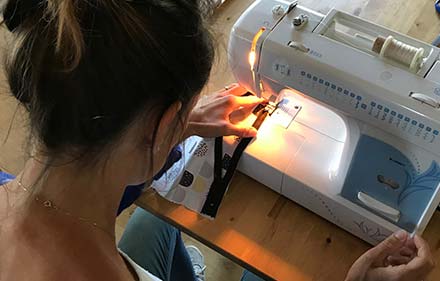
354,136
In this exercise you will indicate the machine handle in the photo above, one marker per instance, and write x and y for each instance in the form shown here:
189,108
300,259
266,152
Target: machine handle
425,99
378,206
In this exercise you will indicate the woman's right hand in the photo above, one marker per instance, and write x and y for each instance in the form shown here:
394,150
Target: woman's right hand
220,114
397,258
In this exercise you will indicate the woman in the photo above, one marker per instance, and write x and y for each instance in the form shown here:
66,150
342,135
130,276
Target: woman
110,88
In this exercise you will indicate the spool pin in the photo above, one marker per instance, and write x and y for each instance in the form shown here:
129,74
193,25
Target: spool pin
399,51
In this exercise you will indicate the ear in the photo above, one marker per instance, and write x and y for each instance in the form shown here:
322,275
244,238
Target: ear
165,128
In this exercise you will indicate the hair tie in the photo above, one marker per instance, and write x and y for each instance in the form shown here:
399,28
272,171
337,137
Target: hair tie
16,11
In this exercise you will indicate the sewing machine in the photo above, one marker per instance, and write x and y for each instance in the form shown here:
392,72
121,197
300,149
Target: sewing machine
353,129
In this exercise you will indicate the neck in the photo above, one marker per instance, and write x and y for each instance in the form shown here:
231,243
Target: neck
91,195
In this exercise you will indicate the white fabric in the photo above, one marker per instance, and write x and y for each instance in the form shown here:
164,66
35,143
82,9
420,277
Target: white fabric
188,181
141,272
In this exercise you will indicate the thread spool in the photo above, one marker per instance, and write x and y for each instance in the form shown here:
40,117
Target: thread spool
399,51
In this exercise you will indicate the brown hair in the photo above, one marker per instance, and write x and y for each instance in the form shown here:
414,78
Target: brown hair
85,70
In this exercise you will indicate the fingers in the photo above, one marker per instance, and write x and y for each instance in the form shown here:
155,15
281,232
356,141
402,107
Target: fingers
389,246
422,246
238,116
423,263
244,110
212,130
249,101
410,245
236,102
376,257
407,252
399,264
235,90
232,103
397,260
244,132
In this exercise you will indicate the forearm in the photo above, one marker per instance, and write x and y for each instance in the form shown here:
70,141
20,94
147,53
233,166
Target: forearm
195,124
190,131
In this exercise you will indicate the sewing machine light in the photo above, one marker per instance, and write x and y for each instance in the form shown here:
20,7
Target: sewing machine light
253,51
252,58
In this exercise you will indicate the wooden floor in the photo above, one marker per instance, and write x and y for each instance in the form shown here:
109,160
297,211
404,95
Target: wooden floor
416,18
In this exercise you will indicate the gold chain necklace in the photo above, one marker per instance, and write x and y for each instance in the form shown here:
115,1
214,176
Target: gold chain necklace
50,205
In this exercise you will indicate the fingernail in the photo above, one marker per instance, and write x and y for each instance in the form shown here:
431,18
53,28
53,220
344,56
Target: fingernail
401,235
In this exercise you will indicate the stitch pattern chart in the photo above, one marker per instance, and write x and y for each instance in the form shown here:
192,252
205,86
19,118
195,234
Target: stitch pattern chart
387,115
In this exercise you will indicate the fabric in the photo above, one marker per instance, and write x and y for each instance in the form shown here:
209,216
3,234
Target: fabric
132,192
187,182
156,246
192,181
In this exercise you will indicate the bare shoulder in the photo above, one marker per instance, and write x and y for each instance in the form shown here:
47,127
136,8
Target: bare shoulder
33,251
9,199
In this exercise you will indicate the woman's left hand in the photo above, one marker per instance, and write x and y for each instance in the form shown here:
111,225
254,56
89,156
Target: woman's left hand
219,114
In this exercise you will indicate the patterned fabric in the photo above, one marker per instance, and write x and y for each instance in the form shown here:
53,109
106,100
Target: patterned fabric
189,180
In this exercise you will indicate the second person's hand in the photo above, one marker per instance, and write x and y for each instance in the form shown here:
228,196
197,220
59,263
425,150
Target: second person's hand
397,258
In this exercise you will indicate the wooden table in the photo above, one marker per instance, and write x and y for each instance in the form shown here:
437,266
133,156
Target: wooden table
265,232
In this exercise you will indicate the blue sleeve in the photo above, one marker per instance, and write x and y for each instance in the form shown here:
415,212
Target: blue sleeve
132,192
5,177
